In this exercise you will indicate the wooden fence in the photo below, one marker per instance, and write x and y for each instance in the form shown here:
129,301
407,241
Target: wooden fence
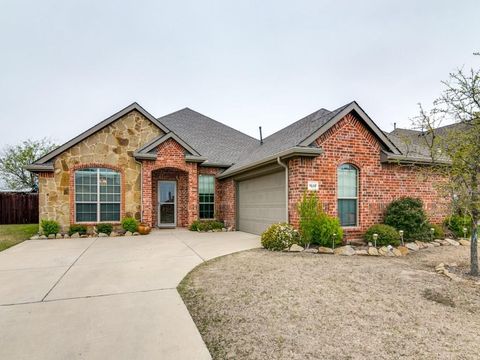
18,208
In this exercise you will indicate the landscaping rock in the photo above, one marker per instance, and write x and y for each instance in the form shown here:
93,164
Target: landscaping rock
452,242
224,229
295,248
361,252
383,251
440,268
35,237
435,244
429,245
58,236
311,251
136,233
325,250
51,236
464,242
372,251
102,235
128,233
114,234
396,252
42,237
412,246
404,250
420,244
66,236
344,250
84,236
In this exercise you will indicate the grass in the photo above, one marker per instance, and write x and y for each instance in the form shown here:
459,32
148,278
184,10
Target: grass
11,235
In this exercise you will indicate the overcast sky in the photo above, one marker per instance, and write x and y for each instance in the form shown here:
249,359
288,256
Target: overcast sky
66,65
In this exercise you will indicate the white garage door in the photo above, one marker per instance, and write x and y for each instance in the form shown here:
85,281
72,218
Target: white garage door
261,202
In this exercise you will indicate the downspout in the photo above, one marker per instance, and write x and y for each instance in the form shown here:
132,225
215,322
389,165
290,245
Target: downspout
282,164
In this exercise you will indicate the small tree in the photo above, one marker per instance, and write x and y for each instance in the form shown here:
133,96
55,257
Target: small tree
455,151
308,210
14,159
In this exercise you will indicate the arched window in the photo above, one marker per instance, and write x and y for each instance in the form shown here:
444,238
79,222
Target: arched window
347,201
97,195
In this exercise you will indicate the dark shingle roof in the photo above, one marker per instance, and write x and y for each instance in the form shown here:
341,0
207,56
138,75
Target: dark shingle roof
219,143
286,138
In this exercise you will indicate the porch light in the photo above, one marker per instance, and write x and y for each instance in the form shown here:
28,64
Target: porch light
333,241
432,232
401,236
375,238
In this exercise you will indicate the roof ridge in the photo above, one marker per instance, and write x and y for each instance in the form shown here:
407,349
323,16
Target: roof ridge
208,117
291,124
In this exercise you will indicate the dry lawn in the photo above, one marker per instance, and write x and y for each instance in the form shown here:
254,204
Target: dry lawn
263,305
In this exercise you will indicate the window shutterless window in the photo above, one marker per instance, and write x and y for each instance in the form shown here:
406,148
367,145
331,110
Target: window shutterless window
206,196
347,201
97,195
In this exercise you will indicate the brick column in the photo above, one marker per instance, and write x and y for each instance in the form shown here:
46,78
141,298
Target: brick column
192,192
147,206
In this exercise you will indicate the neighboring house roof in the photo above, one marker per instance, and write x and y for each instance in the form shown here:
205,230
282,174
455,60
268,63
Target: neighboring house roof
219,143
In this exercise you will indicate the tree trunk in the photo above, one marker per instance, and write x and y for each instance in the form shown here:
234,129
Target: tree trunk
474,248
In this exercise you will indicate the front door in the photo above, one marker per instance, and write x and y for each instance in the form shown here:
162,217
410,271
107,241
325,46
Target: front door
167,204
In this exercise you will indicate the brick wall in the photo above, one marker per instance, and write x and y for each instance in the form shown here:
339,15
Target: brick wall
349,141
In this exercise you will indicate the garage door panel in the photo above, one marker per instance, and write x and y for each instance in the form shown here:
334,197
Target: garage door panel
261,202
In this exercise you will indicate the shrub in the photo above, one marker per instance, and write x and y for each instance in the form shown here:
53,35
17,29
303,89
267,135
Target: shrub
77,228
50,227
316,227
438,233
105,228
130,224
327,229
407,214
206,225
279,237
456,223
387,235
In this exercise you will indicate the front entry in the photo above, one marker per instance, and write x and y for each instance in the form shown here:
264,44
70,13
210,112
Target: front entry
167,203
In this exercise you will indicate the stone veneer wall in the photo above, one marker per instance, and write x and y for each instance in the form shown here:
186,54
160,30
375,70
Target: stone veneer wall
349,141
111,147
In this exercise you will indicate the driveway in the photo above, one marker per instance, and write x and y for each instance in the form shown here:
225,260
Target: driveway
105,298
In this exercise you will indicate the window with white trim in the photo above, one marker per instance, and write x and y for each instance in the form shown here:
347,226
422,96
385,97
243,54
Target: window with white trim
206,196
97,195
347,198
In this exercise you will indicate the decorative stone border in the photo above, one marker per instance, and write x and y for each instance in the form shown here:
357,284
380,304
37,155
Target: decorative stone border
389,251
77,235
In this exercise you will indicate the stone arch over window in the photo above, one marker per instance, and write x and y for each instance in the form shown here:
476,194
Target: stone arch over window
347,194
97,193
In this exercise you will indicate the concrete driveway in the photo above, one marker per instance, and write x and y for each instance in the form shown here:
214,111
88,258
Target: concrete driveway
105,298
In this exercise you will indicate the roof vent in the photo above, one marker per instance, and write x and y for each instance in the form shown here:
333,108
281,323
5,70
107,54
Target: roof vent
261,138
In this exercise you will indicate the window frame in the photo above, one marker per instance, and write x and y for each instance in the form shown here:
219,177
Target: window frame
98,202
356,198
208,202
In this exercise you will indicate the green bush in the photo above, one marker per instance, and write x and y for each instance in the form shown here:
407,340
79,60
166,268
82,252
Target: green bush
407,214
438,233
206,225
387,235
316,227
327,229
130,224
77,228
279,237
105,228
50,227
456,223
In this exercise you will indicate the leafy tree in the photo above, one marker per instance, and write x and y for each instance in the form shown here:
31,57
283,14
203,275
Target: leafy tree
455,150
13,160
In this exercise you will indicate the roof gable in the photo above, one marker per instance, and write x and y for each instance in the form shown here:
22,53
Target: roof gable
98,127
145,151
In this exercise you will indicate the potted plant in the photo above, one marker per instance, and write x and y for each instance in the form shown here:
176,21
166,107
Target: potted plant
144,229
